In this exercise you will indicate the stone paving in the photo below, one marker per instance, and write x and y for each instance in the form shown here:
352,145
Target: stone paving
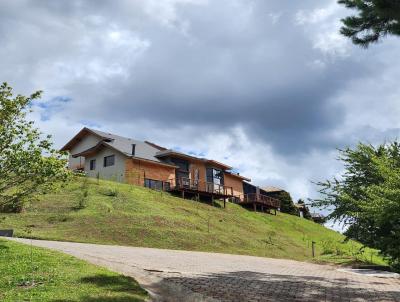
195,276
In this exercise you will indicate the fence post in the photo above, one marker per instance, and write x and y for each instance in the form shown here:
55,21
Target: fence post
313,248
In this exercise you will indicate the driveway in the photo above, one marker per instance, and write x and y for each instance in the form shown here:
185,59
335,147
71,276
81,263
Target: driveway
195,276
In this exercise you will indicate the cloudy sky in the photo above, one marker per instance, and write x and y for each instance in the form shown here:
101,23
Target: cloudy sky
269,87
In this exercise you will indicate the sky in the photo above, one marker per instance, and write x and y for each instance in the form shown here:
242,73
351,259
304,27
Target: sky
268,87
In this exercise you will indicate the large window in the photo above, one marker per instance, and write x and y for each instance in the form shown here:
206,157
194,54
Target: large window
154,184
92,164
109,161
215,176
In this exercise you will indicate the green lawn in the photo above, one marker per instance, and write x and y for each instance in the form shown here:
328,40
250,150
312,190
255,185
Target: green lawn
36,274
129,215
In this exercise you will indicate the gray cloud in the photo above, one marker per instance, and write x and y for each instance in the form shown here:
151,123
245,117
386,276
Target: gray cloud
273,76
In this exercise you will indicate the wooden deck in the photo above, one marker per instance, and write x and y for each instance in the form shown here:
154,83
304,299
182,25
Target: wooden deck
187,184
199,188
262,201
190,187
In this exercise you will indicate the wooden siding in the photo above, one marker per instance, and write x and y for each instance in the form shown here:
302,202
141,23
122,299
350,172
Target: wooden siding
137,170
201,167
234,182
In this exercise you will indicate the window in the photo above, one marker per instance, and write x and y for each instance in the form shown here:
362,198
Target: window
92,164
109,161
215,176
153,184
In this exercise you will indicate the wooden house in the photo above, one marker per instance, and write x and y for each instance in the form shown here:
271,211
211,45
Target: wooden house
109,156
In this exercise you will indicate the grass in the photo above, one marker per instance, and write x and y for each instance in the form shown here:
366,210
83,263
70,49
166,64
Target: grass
114,213
36,274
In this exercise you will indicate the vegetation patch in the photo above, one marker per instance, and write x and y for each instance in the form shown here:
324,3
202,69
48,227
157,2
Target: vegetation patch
36,274
149,218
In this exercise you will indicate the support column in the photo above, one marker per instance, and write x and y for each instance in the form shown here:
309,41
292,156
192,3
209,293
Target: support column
224,202
254,206
183,194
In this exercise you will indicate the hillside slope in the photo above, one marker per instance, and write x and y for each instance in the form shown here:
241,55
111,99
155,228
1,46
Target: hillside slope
122,214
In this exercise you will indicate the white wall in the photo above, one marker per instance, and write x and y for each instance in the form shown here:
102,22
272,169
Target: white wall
115,172
87,142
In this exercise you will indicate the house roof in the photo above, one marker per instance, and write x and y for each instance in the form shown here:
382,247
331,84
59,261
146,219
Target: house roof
272,189
143,150
169,152
119,143
238,176
317,215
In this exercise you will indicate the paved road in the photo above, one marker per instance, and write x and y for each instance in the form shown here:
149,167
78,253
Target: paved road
194,276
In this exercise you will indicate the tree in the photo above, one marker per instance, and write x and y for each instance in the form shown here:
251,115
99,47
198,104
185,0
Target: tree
367,197
287,205
29,165
375,19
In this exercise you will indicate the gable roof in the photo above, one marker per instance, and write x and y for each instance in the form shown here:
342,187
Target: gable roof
272,189
119,143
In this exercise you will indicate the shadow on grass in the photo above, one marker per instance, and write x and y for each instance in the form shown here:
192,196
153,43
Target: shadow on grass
3,246
115,283
125,289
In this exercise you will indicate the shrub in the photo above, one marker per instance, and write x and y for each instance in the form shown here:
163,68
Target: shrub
113,192
83,194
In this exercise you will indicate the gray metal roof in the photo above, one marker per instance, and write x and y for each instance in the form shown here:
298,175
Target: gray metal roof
272,189
124,145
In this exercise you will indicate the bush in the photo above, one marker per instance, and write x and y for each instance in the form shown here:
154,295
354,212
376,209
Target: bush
113,192
83,194
58,218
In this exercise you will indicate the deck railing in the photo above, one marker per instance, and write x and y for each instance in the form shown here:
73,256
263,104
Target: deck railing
260,198
185,183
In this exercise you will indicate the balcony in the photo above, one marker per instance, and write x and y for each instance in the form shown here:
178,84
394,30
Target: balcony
197,186
263,200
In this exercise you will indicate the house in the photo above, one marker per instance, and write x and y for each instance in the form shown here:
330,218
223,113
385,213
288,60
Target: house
113,157
318,218
273,191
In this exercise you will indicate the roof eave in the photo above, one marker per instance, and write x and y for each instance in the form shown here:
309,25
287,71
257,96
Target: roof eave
153,161
80,134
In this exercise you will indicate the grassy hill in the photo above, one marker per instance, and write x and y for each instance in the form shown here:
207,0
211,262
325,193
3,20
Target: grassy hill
113,213
42,275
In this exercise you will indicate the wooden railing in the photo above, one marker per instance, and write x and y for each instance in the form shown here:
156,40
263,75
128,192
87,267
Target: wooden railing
259,198
184,183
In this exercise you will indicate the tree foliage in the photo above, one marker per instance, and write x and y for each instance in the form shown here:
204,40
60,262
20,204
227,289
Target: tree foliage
28,163
375,19
287,205
367,196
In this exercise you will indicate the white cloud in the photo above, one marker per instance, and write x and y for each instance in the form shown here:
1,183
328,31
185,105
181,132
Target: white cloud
166,13
317,15
323,24
332,44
